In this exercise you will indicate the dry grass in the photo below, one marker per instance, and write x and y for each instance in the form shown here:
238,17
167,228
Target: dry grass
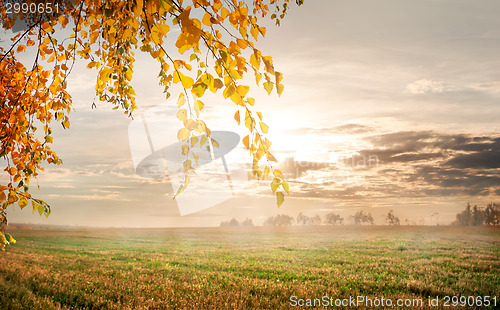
229,268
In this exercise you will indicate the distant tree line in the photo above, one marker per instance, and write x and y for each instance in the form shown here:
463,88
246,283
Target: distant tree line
475,216
359,218
471,216
233,222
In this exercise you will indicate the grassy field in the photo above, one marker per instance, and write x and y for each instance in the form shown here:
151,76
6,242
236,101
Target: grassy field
227,268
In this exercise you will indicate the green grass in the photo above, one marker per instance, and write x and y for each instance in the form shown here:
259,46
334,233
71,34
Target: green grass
226,268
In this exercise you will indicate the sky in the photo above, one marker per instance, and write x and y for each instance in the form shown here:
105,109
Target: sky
387,105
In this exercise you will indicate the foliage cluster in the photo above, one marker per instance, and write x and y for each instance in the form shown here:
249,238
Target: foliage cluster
199,45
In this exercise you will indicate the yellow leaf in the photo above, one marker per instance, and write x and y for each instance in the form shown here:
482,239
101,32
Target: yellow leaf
185,149
182,115
255,32
187,165
236,98
248,121
260,152
280,88
189,124
198,105
177,77
278,173
285,187
2,197
258,77
228,91
268,86
22,203
275,184
203,140
266,172
194,140
12,197
279,77
182,134
264,127
224,13
214,143
242,43
187,82
255,61
199,89
164,29
201,127
92,64
180,190
242,90
280,198
271,157
181,101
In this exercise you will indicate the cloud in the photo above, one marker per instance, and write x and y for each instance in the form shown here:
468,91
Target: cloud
439,163
343,129
347,129
476,160
492,87
409,164
425,86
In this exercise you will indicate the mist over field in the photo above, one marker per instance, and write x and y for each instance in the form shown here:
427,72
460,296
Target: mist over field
250,267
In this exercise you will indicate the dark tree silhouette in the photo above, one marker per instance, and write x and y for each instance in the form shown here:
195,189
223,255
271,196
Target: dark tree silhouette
391,219
492,214
279,220
247,222
233,222
475,216
302,219
361,217
333,219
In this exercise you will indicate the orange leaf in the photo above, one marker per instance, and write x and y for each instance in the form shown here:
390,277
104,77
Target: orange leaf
246,142
237,116
206,19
